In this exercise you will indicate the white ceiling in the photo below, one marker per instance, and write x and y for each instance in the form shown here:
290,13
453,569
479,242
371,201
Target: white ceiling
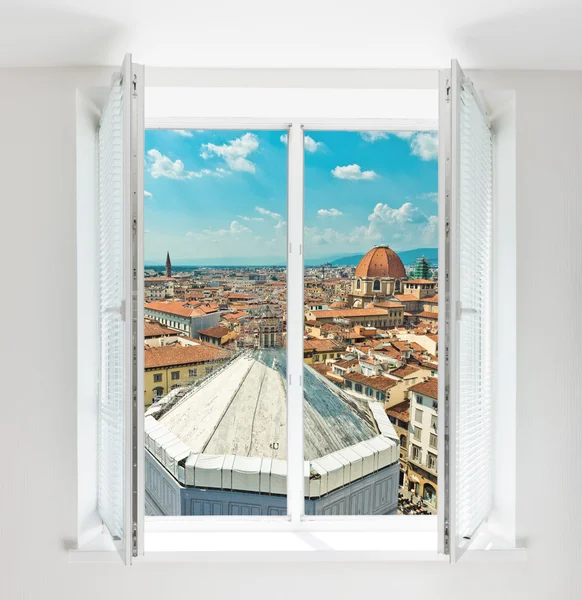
529,34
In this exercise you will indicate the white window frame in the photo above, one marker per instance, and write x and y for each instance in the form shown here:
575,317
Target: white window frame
363,533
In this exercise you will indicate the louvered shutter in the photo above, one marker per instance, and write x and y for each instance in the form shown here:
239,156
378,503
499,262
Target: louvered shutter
469,216
118,197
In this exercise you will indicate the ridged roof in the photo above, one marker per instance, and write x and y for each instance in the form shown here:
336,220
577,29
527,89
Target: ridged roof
380,261
242,410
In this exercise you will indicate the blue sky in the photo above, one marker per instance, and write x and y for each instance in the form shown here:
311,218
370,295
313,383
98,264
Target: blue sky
219,197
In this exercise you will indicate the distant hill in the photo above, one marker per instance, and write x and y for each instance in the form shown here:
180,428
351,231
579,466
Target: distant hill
408,257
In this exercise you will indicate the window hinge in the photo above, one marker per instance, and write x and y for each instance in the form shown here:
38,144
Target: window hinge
134,540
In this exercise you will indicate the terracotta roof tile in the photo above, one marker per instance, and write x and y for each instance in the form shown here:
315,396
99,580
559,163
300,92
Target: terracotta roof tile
428,388
217,331
349,312
380,261
376,382
428,315
155,329
404,371
400,411
166,356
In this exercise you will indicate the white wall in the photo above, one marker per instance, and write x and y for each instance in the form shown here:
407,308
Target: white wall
38,514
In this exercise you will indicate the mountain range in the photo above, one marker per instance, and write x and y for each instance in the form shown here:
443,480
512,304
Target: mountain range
408,257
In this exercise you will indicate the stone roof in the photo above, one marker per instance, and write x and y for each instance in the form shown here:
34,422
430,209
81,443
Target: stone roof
242,410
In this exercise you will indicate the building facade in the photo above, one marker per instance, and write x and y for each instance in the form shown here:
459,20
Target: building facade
188,317
177,365
423,441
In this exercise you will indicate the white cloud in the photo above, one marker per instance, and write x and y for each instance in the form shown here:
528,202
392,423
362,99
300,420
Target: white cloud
309,143
235,152
183,132
425,145
280,225
214,235
147,194
250,218
404,135
406,225
433,196
353,172
373,136
162,166
331,212
269,213
407,213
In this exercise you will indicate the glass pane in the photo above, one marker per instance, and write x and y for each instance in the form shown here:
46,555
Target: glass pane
215,292
371,321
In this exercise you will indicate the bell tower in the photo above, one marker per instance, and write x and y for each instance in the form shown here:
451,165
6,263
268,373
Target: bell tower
168,266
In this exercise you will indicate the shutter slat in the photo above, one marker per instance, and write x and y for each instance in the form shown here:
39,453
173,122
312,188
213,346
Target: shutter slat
111,274
473,443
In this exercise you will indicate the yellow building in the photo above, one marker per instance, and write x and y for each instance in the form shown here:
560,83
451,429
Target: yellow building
320,351
169,367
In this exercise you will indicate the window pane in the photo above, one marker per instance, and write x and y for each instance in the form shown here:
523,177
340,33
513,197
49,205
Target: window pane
371,320
215,294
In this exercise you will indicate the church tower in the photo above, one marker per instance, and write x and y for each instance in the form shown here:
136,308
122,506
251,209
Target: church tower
168,266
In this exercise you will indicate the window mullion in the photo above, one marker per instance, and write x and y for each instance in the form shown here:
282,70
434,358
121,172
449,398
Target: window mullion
295,317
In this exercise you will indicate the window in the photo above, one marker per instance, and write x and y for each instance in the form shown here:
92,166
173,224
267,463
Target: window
376,285
418,416
266,328
433,442
431,461
157,377
416,453
403,441
229,210
434,422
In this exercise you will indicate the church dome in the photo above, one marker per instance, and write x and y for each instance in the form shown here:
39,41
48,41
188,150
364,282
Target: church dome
380,261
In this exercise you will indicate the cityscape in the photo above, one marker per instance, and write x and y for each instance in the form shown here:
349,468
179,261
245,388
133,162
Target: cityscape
215,369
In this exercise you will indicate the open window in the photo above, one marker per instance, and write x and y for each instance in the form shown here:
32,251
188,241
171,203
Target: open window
450,401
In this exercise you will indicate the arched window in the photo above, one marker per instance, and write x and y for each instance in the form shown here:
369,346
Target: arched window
429,494
376,287
358,284
403,441
397,285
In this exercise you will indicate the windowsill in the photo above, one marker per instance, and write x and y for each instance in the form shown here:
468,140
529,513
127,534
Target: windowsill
175,545
289,546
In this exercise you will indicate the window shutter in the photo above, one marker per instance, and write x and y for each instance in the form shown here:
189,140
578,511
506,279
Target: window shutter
468,145
118,193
